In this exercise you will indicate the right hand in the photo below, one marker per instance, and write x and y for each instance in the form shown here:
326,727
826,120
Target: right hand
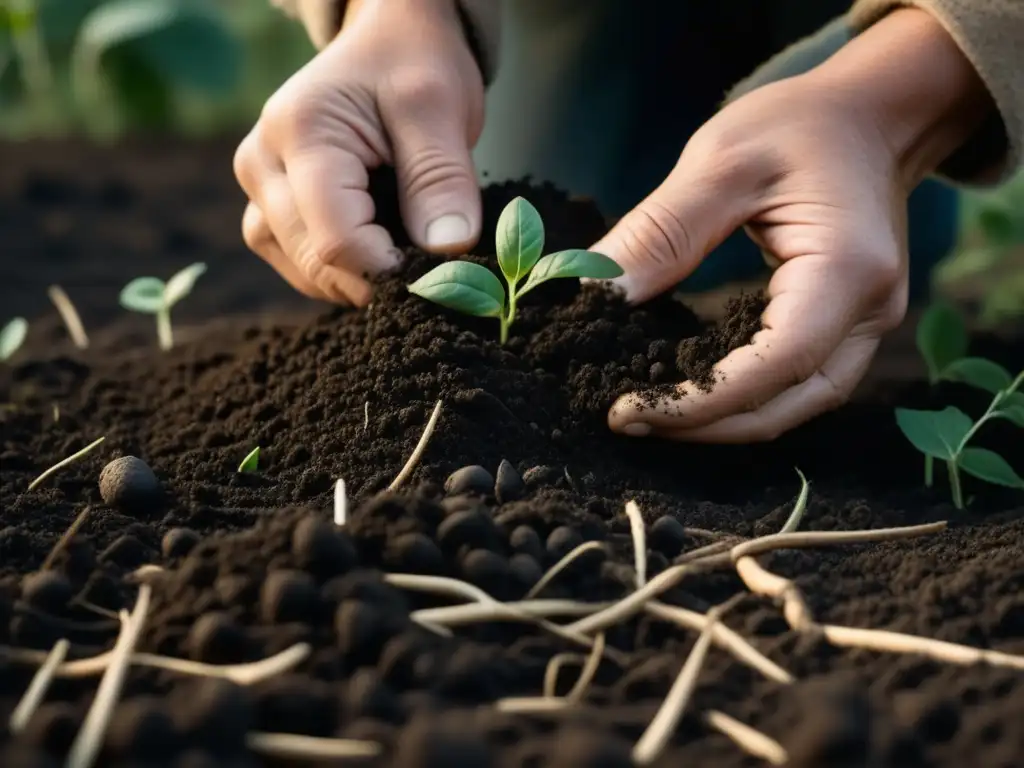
399,86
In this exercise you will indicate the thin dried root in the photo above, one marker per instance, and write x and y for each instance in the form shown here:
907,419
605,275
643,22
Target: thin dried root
531,705
661,728
296,747
69,315
64,462
561,565
639,534
86,746
555,666
588,671
708,550
751,741
724,638
439,585
65,538
763,582
793,522
830,538
417,452
37,688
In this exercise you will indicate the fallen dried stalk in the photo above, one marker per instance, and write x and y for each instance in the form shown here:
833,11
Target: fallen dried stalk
64,462
86,746
636,529
417,452
37,688
830,538
763,582
66,538
555,666
561,565
366,415
724,638
652,743
751,741
242,674
69,315
531,705
708,550
439,585
296,747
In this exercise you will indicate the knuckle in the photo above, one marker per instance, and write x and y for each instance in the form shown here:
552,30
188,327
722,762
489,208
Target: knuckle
416,92
657,235
433,169
285,117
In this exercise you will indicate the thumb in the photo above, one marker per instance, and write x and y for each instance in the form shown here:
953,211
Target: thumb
664,238
438,190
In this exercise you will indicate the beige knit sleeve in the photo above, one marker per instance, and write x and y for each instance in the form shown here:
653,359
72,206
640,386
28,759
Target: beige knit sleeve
991,35
322,20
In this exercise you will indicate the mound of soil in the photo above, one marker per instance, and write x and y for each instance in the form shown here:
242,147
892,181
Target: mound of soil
519,471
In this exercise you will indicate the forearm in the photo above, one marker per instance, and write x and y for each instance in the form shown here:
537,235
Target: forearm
925,96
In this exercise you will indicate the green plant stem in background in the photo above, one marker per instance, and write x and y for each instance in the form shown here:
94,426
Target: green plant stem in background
164,332
33,63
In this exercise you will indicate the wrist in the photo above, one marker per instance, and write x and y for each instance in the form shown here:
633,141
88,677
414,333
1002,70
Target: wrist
908,77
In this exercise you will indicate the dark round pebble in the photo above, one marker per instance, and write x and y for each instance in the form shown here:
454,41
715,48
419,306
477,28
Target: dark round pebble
576,747
142,728
363,629
128,483
658,373
368,586
215,638
471,479
415,553
508,483
322,549
366,695
288,596
563,540
525,569
398,660
462,502
126,551
178,542
213,713
46,590
525,539
466,529
489,571
667,535
427,743
541,475
836,732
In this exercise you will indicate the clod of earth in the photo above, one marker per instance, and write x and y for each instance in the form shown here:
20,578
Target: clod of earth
129,483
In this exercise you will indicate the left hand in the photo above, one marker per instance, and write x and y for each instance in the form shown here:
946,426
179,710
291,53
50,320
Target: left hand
820,183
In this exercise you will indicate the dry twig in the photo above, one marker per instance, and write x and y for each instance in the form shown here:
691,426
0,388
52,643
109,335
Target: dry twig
296,747
37,688
561,565
751,741
64,462
417,452
639,534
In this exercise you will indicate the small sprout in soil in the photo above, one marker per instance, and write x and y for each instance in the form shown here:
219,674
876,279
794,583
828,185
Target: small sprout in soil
475,290
251,462
69,315
152,296
340,503
12,337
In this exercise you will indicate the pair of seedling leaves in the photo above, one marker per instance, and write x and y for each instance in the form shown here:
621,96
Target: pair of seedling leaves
942,341
475,290
153,296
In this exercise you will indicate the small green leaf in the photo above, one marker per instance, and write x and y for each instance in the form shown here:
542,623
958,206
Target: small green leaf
997,224
572,263
519,238
12,337
1012,413
934,433
989,466
462,286
941,338
978,372
144,294
181,284
251,462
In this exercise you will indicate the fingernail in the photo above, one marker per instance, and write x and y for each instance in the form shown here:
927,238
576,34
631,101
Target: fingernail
637,429
448,230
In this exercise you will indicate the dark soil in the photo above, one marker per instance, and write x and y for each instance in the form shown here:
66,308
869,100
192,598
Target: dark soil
253,563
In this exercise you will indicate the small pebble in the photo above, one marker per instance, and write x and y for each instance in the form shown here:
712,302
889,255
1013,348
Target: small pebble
508,485
658,373
471,479
462,503
322,549
526,540
489,571
540,475
288,596
525,569
366,695
46,590
362,631
128,483
178,542
215,638
368,586
667,535
467,528
141,728
415,553
563,540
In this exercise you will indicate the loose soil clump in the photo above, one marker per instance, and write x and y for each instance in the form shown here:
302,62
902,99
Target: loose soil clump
519,472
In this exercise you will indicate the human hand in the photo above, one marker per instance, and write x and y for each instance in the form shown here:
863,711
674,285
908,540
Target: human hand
817,168
398,86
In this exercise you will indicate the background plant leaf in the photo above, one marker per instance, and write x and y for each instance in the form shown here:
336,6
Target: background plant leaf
934,433
462,286
12,337
1012,409
519,238
997,224
989,466
572,263
978,372
143,294
941,338
181,283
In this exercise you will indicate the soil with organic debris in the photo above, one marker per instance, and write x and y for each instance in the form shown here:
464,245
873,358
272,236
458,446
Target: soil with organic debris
252,564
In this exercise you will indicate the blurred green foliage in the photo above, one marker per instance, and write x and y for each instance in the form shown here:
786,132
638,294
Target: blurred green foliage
108,67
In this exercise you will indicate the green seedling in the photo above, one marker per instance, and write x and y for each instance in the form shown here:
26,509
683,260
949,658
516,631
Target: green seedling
251,462
945,434
152,296
475,290
12,337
